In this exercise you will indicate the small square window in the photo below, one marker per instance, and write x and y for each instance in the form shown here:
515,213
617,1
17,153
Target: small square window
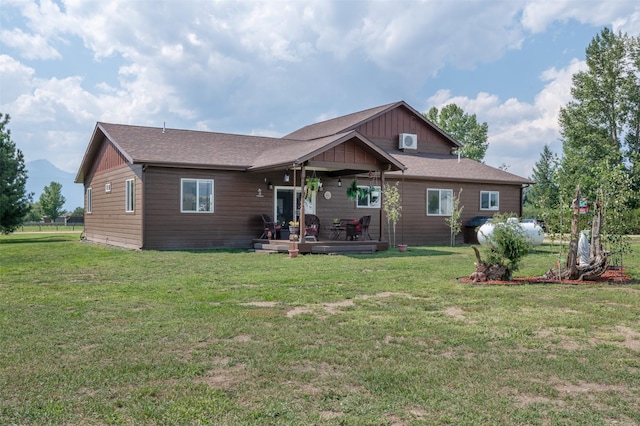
371,199
439,202
489,200
196,196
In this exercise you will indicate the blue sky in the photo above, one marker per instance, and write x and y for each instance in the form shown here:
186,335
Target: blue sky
270,67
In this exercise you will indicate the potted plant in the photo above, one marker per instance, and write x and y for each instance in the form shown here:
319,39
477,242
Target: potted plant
294,230
393,210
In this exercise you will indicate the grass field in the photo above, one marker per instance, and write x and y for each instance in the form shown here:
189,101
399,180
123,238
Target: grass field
93,335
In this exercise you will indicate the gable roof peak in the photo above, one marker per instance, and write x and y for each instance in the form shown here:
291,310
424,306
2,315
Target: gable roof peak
343,123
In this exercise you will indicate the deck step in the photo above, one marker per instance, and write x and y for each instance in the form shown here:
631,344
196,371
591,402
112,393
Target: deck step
344,249
273,248
261,251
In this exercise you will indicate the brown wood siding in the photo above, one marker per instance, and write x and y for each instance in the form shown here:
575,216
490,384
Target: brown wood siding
108,222
109,158
417,228
385,129
236,219
340,207
233,224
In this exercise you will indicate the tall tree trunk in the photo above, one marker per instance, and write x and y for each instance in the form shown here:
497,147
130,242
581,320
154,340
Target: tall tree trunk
571,267
595,250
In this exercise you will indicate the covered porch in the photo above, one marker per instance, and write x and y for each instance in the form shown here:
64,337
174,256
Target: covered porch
311,183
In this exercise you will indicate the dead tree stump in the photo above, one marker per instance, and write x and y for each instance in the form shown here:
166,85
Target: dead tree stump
598,262
485,272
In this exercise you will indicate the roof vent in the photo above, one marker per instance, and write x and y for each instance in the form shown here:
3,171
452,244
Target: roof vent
408,141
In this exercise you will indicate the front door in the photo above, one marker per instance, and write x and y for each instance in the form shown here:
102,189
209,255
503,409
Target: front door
283,205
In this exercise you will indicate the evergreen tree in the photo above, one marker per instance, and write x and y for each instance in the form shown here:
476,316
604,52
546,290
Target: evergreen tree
52,200
545,193
14,200
462,127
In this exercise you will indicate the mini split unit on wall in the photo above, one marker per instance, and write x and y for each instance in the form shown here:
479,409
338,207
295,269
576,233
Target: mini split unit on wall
408,141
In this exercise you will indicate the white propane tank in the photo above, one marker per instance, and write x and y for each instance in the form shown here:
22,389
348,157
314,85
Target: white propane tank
532,231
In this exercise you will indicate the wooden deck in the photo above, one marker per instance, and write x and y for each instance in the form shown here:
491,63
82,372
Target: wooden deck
320,247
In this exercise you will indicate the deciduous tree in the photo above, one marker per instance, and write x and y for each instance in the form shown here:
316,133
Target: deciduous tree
603,117
52,201
464,128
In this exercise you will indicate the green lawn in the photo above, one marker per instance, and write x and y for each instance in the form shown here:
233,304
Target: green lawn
95,335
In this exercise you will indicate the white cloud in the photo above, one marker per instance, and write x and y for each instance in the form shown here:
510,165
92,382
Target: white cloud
539,14
269,67
518,130
31,46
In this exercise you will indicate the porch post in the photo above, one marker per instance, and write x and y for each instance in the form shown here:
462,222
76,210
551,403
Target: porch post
303,175
381,204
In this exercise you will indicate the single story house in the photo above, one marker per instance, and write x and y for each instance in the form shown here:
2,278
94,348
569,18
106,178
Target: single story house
161,188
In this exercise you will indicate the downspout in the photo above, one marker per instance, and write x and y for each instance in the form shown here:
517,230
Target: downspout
522,188
144,207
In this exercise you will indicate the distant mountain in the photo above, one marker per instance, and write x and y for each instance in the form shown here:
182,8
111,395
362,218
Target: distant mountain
42,173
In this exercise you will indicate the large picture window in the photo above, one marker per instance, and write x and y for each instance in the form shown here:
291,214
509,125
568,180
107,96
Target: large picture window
439,202
130,195
89,200
489,200
196,196
371,198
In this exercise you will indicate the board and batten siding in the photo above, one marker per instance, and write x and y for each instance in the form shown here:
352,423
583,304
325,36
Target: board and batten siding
385,129
417,228
109,222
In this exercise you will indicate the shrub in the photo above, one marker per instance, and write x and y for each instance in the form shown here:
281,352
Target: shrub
508,244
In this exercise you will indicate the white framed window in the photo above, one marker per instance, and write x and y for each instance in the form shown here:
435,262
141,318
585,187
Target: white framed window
89,200
439,202
489,200
371,199
196,195
129,195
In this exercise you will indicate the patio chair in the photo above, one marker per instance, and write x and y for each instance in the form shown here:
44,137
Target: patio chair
358,228
352,229
364,227
269,226
311,226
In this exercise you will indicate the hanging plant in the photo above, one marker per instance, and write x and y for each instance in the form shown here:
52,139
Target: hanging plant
353,191
312,185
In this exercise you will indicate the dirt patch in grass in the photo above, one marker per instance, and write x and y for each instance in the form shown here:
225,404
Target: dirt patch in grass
612,276
620,336
336,307
223,374
455,312
260,304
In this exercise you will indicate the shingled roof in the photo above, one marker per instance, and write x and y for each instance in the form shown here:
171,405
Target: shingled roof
209,150
450,168
349,122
